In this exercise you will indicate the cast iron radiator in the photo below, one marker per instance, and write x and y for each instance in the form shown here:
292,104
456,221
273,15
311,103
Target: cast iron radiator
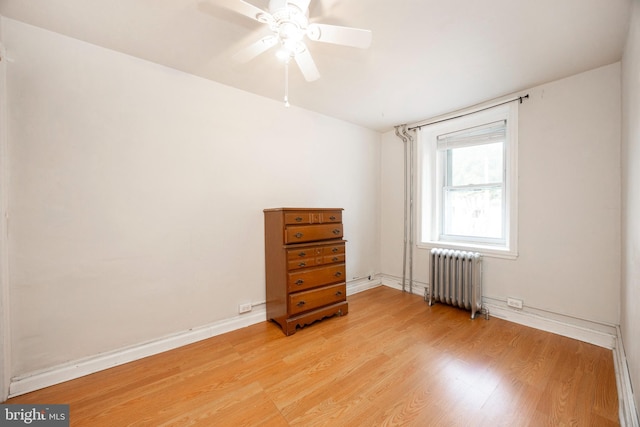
455,279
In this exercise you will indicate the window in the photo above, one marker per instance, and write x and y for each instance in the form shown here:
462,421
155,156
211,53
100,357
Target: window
468,182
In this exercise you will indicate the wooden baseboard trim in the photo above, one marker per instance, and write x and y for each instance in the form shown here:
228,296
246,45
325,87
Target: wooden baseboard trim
362,284
395,282
629,416
79,368
592,332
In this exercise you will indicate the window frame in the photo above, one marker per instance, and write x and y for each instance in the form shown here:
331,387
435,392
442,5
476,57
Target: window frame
431,178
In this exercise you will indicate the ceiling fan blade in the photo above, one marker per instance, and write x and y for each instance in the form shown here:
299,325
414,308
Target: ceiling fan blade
307,65
254,49
246,9
347,36
303,5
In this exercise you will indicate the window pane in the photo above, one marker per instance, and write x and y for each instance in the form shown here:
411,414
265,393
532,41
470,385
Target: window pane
477,164
473,212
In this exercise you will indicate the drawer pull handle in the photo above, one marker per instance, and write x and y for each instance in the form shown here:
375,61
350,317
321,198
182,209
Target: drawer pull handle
298,219
302,264
338,293
298,235
334,250
299,282
332,217
301,303
338,274
302,254
335,258
336,231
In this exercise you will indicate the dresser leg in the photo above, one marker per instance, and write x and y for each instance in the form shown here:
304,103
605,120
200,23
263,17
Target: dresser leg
289,329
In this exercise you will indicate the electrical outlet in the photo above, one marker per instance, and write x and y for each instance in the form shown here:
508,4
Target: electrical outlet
514,302
244,308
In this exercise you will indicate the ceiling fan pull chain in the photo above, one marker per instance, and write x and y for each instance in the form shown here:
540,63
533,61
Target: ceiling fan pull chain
286,82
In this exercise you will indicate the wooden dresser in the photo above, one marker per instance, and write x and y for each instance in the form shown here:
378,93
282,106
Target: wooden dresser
305,266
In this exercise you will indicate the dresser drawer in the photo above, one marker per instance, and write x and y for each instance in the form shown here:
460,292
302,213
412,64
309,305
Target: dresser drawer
333,253
320,250
304,263
308,300
311,256
336,249
329,259
304,252
314,277
311,233
296,264
304,257
312,217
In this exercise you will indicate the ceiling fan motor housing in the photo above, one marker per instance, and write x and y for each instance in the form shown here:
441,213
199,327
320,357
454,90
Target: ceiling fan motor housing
289,21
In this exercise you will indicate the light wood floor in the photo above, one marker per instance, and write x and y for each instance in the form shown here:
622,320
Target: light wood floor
393,360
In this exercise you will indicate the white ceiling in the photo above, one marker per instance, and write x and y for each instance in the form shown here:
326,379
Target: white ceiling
428,57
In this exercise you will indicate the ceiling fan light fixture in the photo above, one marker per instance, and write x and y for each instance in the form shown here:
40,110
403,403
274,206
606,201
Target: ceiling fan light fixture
283,54
289,49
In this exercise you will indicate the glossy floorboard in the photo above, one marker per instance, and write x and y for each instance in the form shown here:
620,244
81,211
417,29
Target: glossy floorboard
393,360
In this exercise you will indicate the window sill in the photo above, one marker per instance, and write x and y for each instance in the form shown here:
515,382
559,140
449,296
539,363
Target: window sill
488,251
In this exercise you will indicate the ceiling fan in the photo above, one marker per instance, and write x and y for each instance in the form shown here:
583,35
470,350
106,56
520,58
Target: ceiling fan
289,23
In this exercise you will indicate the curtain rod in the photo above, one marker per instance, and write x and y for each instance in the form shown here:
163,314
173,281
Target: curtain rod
519,98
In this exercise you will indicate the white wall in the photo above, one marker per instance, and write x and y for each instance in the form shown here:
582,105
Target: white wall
5,331
569,202
630,296
136,195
